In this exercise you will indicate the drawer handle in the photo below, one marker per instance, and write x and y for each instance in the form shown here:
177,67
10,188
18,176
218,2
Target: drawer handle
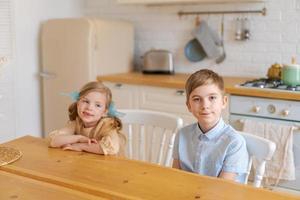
285,113
180,92
256,109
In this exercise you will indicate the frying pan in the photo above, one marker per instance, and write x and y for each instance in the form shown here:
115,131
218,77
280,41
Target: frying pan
194,51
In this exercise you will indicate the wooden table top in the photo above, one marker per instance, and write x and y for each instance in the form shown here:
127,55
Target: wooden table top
20,187
119,178
177,81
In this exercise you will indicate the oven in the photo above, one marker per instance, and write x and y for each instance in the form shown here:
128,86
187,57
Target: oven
271,111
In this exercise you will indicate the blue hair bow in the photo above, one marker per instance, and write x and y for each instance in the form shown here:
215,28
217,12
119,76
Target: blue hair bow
112,111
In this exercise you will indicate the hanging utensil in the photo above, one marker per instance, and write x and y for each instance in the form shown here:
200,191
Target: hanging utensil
197,21
239,28
193,50
223,56
246,29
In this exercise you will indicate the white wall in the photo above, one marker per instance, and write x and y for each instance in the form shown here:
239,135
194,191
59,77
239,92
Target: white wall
275,37
29,14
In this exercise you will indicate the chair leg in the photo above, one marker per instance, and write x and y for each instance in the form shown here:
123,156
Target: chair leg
248,170
142,154
260,170
130,142
170,151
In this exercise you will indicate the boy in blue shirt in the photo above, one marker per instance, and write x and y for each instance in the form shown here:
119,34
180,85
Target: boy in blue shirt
210,146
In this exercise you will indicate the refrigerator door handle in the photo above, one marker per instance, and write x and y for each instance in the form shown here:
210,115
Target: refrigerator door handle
47,75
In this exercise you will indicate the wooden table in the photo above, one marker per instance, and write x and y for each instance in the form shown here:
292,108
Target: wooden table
20,187
118,178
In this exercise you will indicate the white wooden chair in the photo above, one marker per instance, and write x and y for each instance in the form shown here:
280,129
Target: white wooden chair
150,135
262,150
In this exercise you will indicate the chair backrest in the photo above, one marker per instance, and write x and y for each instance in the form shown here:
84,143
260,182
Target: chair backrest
150,135
262,150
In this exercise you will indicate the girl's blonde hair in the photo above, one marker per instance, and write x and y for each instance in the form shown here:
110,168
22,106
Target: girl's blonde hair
203,77
100,130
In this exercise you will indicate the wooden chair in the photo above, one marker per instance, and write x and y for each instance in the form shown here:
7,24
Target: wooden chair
262,150
150,135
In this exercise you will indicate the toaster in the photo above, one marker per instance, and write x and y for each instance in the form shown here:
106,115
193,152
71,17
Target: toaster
158,62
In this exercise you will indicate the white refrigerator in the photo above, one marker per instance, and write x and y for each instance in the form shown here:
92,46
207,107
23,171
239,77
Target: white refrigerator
75,51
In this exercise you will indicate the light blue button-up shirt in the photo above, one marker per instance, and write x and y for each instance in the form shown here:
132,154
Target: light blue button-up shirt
220,149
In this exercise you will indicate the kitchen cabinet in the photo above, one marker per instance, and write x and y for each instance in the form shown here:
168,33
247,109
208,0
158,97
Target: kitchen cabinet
150,98
163,99
125,96
166,100
149,2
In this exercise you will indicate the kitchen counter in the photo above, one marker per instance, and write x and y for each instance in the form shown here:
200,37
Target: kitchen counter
178,80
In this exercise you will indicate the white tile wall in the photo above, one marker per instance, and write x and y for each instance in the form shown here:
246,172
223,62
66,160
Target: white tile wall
274,38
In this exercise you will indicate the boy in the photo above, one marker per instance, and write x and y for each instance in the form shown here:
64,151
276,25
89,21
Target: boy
209,147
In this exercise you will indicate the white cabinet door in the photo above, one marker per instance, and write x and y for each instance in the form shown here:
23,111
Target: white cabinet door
165,99
124,95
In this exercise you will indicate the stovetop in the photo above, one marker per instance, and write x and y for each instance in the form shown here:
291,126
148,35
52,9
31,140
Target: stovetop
264,83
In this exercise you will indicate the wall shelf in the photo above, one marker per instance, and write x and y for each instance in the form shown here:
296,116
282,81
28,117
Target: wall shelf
263,11
172,2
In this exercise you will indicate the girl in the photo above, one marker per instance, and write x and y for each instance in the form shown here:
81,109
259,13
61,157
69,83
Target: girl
93,126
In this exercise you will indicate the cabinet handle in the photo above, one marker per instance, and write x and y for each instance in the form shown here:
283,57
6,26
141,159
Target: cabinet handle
256,109
118,85
47,75
285,113
180,92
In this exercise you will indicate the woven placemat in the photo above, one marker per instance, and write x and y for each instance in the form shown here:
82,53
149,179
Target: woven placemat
9,155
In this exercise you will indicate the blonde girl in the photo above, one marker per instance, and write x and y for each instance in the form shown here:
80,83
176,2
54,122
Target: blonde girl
94,126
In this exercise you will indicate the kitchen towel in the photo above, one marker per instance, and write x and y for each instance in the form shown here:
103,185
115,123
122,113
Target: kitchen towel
208,39
281,166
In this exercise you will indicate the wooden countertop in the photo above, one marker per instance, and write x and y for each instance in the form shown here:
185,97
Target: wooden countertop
178,80
119,178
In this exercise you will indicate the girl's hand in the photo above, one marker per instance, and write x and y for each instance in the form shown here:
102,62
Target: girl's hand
93,147
85,139
93,141
73,147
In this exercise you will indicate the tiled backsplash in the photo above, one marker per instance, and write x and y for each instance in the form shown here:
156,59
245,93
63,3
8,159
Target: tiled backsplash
274,37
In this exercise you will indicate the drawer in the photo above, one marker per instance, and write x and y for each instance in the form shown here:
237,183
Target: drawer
263,107
168,100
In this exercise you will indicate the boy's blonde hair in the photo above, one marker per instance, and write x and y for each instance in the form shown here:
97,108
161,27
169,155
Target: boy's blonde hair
203,77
